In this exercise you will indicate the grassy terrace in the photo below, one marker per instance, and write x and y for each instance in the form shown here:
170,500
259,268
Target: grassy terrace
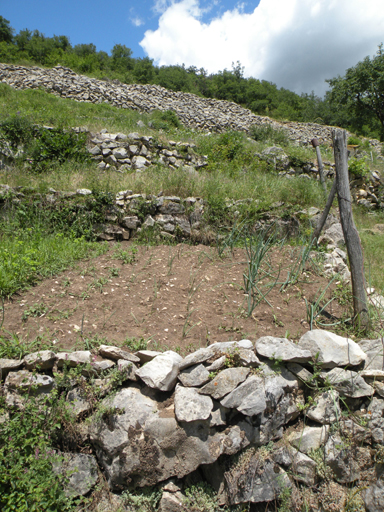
44,248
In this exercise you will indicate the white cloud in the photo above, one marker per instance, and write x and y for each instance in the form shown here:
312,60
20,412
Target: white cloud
295,43
137,21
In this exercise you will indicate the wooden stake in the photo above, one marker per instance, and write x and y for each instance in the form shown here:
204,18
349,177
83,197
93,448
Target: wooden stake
351,235
324,216
316,145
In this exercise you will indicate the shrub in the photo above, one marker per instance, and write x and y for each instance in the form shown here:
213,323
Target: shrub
358,167
165,120
266,133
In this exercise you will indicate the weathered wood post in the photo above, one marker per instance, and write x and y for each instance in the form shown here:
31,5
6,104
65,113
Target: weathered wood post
316,145
351,235
325,213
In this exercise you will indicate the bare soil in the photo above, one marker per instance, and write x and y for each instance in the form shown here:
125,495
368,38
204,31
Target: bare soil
178,297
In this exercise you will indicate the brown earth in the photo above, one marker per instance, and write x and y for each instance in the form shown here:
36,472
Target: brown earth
178,297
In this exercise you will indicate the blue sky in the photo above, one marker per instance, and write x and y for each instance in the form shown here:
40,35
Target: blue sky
296,44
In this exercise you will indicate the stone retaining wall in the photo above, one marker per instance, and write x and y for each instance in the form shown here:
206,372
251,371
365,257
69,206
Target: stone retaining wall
169,418
192,110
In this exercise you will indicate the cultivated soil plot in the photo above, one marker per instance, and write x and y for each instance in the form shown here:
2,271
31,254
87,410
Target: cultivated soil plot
178,297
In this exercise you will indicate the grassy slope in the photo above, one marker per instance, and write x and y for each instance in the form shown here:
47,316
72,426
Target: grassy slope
235,174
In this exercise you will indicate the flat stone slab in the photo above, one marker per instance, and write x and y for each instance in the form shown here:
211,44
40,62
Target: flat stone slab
348,383
117,353
375,354
326,409
43,360
309,438
73,359
248,398
199,356
217,364
147,355
24,380
281,349
225,382
191,406
9,365
161,373
332,350
194,376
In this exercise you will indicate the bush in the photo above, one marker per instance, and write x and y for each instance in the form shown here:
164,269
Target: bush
266,133
56,145
165,120
358,167
16,129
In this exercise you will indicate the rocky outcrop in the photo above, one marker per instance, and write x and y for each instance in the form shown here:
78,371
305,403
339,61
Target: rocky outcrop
160,425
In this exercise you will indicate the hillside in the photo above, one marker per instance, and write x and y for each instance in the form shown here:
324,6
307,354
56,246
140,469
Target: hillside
168,333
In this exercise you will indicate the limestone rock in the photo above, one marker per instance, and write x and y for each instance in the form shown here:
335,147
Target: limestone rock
375,354
147,355
191,406
194,376
346,462
8,365
301,467
348,383
332,350
374,496
281,349
326,409
127,370
73,359
199,356
172,502
161,373
255,481
248,398
143,444
43,360
81,471
116,353
309,438
225,382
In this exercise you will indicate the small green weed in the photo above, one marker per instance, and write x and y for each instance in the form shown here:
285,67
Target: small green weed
135,344
127,256
143,500
36,310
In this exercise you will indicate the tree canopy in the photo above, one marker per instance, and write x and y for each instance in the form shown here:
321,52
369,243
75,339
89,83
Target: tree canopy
356,101
362,90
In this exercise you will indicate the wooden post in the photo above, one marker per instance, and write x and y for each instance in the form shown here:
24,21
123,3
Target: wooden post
351,235
324,216
316,145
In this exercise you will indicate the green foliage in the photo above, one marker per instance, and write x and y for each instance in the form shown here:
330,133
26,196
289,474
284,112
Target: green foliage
358,167
127,256
26,258
143,500
13,346
6,31
362,90
165,120
36,310
56,145
135,344
27,482
267,133
201,498
16,129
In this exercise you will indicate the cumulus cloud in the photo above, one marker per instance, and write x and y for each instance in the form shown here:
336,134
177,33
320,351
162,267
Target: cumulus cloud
296,44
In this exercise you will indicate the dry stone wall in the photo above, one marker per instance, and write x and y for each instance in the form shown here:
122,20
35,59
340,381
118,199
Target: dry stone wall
192,110
214,413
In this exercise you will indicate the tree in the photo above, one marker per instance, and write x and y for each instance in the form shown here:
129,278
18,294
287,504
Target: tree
6,31
362,89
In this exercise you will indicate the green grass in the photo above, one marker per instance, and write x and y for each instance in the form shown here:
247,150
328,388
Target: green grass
26,259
